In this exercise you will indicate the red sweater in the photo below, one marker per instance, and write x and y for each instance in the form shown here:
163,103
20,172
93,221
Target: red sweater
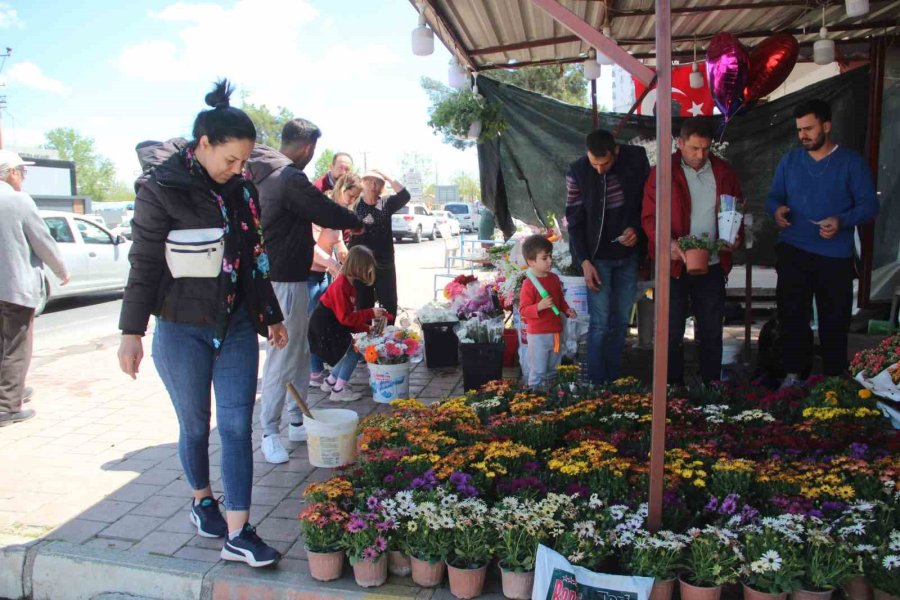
340,297
323,183
544,321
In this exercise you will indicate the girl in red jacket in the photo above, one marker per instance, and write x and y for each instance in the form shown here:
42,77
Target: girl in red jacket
335,319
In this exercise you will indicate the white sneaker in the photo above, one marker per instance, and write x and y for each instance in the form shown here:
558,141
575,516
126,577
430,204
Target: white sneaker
325,387
317,382
345,395
297,433
273,450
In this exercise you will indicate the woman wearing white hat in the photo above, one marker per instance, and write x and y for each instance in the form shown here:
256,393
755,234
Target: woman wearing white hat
376,213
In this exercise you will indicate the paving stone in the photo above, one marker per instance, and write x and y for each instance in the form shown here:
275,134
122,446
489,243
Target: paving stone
280,479
288,508
203,554
158,476
163,542
76,531
162,506
107,511
134,492
277,529
269,496
109,544
179,487
132,527
178,523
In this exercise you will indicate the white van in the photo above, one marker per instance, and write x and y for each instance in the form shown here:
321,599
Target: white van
467,215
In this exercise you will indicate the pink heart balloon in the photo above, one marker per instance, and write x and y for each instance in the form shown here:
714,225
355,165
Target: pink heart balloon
770,64
727,66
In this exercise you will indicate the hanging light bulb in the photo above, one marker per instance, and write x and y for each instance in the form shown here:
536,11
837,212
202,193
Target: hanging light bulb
823,49
856,8
422,36
457,75
602,58
696,77
591,66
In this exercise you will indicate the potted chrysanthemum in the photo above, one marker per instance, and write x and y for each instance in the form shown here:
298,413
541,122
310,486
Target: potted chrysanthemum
366,542
773,563
713,558
657,555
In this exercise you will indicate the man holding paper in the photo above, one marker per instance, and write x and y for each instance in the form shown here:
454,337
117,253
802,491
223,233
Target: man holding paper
820,193
701,182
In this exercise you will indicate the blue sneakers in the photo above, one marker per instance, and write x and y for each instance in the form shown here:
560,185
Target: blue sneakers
208,519
249,548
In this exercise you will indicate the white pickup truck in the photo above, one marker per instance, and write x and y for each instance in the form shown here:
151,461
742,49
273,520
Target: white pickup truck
414,221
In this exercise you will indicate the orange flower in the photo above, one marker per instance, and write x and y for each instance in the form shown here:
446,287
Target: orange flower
371,354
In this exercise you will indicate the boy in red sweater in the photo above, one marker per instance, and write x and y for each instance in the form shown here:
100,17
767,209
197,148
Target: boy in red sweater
542,323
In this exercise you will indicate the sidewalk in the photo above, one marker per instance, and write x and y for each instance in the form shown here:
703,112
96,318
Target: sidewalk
93,499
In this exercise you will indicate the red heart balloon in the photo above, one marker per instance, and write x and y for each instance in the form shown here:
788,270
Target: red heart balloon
770,64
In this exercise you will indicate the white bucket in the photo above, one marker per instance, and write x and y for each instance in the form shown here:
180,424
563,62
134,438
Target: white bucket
331,437
576,293
389,382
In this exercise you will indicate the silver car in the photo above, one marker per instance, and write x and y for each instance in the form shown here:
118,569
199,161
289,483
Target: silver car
97,259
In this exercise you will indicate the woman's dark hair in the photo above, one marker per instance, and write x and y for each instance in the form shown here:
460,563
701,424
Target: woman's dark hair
223,122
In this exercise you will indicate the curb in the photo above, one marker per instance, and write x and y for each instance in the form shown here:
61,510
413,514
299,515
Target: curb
65,571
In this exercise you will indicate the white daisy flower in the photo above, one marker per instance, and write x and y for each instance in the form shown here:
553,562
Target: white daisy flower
772,559
891,562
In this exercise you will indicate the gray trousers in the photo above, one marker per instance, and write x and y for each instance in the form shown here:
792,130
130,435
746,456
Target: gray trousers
291,363
16,329
544,355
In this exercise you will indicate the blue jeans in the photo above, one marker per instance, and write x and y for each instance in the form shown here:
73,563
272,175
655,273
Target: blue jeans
344,368
316,289
185,359
610,313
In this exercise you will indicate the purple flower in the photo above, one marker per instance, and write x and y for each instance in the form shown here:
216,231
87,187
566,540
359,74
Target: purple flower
858,450
370,554
355,524
583,491
748,514
384,525
371,516
380,544
389,479
372,503
531,465
729,504
712,505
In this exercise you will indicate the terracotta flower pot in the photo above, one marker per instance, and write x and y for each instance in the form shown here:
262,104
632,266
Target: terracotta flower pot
398,563
858,588
752,594
697,260
427,574
879,595
517,586
466,583
696,592
662,589
811,595
325,566
371,574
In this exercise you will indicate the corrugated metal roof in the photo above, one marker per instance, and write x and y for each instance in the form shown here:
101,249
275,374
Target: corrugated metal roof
492,33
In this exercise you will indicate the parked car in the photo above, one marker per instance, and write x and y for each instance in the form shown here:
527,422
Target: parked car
413,221
96,258
465,213
443,217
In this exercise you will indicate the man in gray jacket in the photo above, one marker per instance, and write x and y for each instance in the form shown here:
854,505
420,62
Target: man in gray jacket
25,243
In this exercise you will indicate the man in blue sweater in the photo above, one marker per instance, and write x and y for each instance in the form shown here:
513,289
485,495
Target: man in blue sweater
820,193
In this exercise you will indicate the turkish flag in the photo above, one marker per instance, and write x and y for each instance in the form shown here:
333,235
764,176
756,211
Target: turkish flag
690,102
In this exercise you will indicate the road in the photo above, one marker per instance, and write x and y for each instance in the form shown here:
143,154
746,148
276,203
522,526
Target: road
71,324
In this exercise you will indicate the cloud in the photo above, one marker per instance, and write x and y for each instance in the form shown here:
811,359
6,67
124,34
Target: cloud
29,75
9,17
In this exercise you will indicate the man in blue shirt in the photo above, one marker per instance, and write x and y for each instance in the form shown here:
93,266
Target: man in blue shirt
820,193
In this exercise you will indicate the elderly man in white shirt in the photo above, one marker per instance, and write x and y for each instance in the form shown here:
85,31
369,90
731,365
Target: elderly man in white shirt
25,244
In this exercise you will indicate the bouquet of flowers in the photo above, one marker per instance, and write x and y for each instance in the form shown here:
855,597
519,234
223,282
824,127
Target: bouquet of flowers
478,299
459,285
773,555
366,532
322,524
394,346
714,557
658,555
436,312
480,330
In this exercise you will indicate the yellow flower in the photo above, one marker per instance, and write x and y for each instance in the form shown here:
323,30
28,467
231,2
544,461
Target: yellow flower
864,394
699,483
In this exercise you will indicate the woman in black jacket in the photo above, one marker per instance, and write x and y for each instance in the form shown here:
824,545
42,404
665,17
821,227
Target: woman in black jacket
198,262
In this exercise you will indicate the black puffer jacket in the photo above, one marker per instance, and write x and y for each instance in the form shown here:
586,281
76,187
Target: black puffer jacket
169,198
290,204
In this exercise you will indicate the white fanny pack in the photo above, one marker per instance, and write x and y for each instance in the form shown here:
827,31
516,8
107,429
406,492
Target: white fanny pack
195,252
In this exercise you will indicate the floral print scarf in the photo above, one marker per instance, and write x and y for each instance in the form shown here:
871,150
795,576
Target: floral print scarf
245,254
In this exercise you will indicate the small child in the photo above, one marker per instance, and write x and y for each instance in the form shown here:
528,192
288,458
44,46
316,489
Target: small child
542,325
334,320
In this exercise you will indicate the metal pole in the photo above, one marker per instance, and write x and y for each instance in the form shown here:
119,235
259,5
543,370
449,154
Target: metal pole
595,121
663,251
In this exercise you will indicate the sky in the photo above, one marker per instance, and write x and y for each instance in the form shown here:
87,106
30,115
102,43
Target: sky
122,72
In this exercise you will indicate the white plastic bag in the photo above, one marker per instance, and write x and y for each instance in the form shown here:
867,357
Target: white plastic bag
557,579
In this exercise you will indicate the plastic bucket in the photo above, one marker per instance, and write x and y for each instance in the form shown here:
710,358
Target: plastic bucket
389,382
441,345
576,293
481,363
331,437
510,347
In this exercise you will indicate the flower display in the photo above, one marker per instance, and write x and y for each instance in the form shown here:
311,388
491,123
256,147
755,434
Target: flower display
366,532
436,312
394,346
322,525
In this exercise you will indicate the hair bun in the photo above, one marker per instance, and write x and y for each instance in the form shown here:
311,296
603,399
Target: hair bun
218,98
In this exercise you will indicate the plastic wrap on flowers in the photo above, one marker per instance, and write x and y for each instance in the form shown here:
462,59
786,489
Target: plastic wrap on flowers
478,330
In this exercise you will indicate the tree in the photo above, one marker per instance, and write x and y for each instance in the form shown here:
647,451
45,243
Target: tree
565,82
268,124
121,191
418,162
95,174
469,188
323,163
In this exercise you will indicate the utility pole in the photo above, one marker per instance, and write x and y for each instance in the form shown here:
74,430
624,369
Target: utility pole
3,96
